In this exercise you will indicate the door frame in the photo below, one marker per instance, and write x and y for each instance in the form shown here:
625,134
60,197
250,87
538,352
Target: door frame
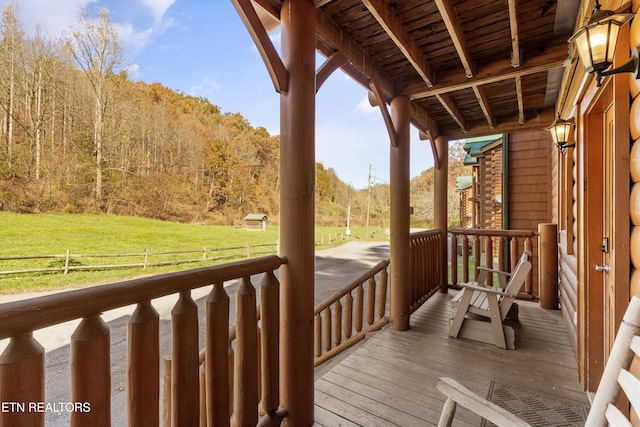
592,328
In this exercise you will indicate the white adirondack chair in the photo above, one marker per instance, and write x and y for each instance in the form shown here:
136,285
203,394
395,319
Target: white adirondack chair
603,412
491,303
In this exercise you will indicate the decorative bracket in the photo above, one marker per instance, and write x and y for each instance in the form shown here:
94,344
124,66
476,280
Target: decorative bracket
436,157
375,99
275,67
335,61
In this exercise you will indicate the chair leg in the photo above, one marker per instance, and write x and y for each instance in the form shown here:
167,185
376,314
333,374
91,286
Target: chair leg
496,321
463,306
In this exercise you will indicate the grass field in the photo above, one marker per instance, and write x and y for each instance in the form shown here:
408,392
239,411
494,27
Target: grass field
43,234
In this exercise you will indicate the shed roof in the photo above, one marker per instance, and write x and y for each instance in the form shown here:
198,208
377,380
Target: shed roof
463,182
256,217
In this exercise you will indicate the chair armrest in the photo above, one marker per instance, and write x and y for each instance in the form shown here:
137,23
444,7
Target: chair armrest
494,291
476,404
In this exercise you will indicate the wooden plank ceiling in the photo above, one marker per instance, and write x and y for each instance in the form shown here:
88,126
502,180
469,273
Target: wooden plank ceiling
470,67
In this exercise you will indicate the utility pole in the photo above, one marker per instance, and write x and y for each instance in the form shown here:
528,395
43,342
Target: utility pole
369,181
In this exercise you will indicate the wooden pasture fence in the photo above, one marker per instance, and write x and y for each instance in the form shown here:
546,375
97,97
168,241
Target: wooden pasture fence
143,259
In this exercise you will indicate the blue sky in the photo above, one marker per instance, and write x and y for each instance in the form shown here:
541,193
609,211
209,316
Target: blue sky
201,48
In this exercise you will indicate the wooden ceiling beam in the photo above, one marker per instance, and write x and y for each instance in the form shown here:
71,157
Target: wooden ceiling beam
423,121
328,30
520,100
541,120
451,108
484,105
401,37
450,19
554,56
516,59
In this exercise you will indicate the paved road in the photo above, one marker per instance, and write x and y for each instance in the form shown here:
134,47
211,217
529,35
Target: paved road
334,267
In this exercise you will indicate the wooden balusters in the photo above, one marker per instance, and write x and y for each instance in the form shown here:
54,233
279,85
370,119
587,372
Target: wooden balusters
326,328
246,392
371,301
502,264
337,324
514,251
22,381
476,256
217,356
318,334
488,259
465,259
528,281
143,369
91,373
359,307
382,299
454,259
348,315
185,386
270,342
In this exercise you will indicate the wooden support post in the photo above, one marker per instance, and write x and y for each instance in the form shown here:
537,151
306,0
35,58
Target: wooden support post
91,373
185,385
400,221
297,178
441,179
548,265
270,342
143,368
22,381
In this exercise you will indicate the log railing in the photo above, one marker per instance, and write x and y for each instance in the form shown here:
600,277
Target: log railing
340,320
22,368
424,266
487,248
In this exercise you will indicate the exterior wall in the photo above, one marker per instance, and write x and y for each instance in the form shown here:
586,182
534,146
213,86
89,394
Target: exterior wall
529,179
530,195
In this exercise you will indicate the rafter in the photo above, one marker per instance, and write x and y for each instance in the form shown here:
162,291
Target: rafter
516,59
423,121
520,100
401,37
484,104
451,108
450,19
554,57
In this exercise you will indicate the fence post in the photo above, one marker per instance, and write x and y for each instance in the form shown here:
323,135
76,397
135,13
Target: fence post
146,258
66,261
248,250
204,253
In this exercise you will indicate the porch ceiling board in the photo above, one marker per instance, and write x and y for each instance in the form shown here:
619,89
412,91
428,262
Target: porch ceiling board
470,67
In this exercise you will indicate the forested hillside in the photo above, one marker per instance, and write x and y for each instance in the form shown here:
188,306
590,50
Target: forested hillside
77,134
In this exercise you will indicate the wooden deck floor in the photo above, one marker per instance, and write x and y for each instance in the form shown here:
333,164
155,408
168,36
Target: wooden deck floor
391,379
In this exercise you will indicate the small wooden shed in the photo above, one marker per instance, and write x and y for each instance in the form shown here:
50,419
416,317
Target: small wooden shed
256,221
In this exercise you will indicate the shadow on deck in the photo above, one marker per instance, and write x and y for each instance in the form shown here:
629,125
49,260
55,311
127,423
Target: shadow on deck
391,378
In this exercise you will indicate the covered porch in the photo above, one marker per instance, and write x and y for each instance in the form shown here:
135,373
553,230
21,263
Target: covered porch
391,378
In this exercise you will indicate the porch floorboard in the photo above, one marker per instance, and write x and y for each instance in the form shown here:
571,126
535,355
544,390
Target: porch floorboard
391,378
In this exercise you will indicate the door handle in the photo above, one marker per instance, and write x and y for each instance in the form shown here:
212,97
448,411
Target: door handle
604,268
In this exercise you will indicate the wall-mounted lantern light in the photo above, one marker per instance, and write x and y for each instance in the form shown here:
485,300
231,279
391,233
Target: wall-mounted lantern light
560,131
596,43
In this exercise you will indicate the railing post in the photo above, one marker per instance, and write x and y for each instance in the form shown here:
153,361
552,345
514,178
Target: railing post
528,281
488,259
185,385
217,356
246,413
548,265
143,371
22,381
454,259
91,372
270,342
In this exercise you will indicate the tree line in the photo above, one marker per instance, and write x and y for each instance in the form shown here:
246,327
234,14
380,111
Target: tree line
77,134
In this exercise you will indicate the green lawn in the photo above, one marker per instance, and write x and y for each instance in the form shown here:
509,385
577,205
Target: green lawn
41,234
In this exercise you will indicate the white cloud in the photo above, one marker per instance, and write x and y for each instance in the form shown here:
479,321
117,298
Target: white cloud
129,35
52,16
133,70
206,88
158,7
364,106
